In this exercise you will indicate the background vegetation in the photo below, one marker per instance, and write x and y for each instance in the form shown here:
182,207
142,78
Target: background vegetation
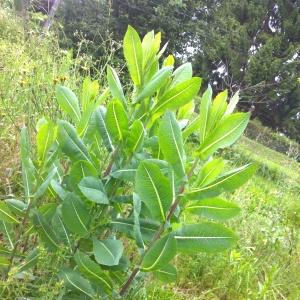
265,264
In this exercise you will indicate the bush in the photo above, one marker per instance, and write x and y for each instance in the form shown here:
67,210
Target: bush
107,187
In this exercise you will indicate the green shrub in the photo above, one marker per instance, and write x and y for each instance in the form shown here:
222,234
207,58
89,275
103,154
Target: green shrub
105,187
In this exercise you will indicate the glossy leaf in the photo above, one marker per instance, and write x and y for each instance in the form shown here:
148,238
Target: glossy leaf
159,254
93,189
155,83
68,102
116,120
204,237
93,271
75,214
171,144
133,53
227,182
108,252
178,96
16,206
76,282
102,128
225,134
6,215
70,143
154,189
136,136
115,86
214,208
182,73
232,103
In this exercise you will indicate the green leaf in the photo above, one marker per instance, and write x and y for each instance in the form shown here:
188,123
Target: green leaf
166,274
116,120
209,172
93,271
217,111
115,84
205,111
136,136
45,184
232,104
178,96
225,134
137,204
45,137
30,260
227,182
154,189
148,228
60,229
215,208
182,73
70,143
6,215
155,83
8,230
171,144
124,174
204,237
16,206
75,214
4,262
76,282
68,102
102,128
86,121
149,49
93,189
44,230
108,252
159,254
133,53
89,92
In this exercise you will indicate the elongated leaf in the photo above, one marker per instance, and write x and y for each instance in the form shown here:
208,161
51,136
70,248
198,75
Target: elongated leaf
225,134
155,83
44,139
204,237
45,232
76,282
217,111
115,86
86,121
70,143
149,49
102,128
178,96
154,189
137,204
136,136
205,111
89,92
133,53
60,229
4,262
232,103
116,120
214,208
171,144
6,215
68,102
159,254
148,228
93,271
75,214
8,231
228,182
28,170
45,184
93,189
169,61
124,174
16,206
209,172
30,260
108,252
182,73
166,274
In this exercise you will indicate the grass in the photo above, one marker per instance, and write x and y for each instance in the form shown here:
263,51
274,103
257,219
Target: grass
265,262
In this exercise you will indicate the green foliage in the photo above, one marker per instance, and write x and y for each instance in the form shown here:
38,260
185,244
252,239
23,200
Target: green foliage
103,211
